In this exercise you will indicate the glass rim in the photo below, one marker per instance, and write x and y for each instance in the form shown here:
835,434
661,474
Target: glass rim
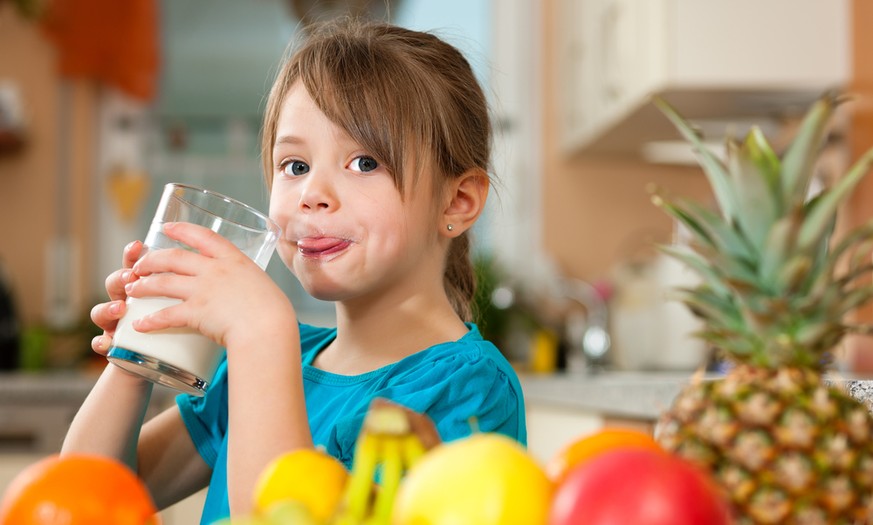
271,225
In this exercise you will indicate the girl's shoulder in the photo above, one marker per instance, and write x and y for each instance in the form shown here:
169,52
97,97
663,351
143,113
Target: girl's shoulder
470,359
470,349
313,339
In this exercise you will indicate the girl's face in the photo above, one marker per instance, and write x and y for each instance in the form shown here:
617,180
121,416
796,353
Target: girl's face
347,232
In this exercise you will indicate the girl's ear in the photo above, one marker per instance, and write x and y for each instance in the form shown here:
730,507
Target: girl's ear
466,201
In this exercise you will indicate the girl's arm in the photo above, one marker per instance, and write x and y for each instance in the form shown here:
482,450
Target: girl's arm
228,298
267,415
109,420
109,423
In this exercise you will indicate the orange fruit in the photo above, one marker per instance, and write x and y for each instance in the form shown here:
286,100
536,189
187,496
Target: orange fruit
485,479
77,490
589,446
309,476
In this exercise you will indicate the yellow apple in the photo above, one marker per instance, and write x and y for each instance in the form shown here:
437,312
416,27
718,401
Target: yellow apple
485,479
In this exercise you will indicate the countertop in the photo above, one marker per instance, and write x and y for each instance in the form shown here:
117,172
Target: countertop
635,395
36,408
640,395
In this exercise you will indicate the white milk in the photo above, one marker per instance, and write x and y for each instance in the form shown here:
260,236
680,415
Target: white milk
182,348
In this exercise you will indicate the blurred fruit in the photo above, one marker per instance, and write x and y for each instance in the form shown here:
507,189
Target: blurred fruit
244,520
77,490
592,445
389,443
638,486
290,512
309,476
485,479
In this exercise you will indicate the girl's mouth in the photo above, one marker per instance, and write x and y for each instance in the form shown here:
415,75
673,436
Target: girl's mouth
321,246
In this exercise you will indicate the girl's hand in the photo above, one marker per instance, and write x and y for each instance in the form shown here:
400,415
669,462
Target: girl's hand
225,295
106,315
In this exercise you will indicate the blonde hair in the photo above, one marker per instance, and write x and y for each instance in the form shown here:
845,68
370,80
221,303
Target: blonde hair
407,97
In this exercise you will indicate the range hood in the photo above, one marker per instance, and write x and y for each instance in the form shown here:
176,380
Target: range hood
719,113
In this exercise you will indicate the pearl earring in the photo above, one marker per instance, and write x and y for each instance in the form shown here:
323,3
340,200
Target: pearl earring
450,227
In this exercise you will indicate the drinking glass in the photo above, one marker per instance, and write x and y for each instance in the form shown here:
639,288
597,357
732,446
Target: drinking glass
182,358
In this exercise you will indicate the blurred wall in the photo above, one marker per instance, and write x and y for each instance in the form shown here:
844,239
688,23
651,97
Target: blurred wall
860,349
597,212
29,219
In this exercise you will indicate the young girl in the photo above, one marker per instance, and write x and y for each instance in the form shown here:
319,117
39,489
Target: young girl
376,147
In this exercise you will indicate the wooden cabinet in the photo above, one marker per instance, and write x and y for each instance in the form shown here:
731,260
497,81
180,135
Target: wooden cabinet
716,59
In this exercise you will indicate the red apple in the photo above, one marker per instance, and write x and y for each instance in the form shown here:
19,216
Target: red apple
638,486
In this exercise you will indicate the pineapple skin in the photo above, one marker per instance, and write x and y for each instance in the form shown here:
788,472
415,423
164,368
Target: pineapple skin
784,446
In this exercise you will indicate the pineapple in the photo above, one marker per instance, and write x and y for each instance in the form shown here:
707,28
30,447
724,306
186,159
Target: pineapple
785,446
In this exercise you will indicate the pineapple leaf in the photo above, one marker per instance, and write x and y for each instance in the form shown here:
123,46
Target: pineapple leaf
714,168
700,266
780,241
715,309
763,156
723,237
727,341
793,273
823,277
694,226
850,276
736,273
854,299
799,159
752,172
861,255
821,257
860,329
822,210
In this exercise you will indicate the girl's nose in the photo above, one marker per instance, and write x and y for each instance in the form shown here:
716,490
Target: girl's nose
318,193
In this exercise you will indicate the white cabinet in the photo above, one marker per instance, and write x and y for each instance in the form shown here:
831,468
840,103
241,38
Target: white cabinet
714,59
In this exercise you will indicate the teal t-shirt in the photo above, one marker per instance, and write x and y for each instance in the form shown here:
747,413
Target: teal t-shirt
450,382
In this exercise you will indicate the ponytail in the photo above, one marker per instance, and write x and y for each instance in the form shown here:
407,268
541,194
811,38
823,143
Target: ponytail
460,278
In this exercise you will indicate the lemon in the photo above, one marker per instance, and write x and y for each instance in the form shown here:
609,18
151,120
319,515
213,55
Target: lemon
486,479
311,477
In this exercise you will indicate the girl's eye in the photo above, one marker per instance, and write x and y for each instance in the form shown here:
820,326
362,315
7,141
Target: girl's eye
364,164
295,168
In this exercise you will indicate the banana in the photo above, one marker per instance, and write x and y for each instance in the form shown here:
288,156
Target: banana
392,472
412,450
360,485
387,442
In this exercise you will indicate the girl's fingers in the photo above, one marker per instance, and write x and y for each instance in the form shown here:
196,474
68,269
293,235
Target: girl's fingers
160,285
132,253
116,282
170,317
200,238
169,260
101,344
106,315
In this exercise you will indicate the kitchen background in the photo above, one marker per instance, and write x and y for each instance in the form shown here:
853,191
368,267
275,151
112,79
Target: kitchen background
102,105
97,112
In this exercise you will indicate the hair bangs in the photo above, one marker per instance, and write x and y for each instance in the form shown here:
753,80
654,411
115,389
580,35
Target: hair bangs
360,89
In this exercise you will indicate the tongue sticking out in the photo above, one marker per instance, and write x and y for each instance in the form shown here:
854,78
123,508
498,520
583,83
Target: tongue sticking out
321,245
